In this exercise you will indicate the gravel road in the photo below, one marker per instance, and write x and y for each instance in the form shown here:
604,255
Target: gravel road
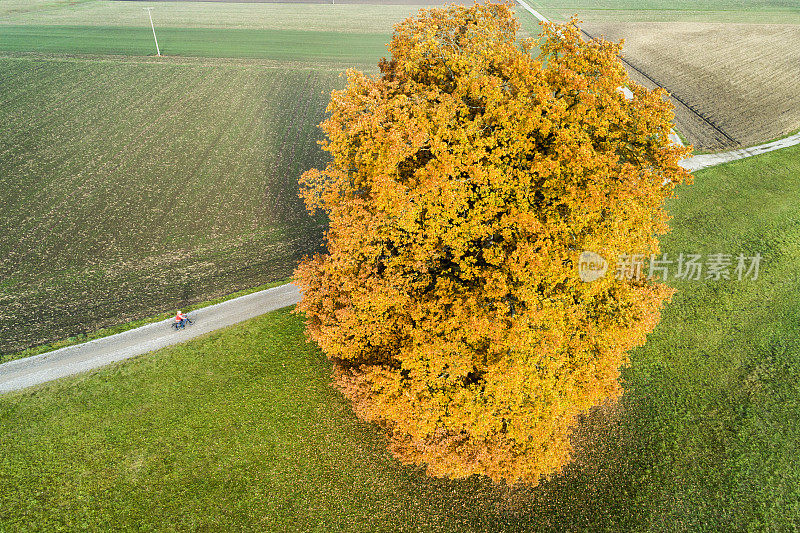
21,373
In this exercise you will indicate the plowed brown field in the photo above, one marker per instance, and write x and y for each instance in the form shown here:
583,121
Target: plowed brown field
734,85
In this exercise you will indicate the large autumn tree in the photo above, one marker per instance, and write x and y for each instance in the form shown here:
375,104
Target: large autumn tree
465,181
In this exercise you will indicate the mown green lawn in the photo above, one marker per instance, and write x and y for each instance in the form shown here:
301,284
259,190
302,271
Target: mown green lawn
719,379
241,429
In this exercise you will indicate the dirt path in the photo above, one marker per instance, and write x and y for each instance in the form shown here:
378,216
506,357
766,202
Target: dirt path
30,371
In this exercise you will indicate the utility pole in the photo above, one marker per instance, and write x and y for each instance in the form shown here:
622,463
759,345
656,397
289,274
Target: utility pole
154,29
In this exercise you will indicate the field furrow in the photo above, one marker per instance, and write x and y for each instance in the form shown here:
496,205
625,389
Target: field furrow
148,191
735,84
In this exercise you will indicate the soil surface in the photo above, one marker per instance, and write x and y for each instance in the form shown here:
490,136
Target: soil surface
733,85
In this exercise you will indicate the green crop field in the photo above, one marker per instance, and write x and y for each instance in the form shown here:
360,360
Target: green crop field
129,187
241,429
345,18
304,32
320,33
289,45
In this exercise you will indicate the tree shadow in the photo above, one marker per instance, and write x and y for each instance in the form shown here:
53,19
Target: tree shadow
593,492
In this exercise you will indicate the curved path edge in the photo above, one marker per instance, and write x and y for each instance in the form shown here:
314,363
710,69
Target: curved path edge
709,160
30,371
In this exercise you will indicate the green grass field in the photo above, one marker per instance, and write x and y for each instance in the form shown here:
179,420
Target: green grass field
130,187
317,33
362,49
314,33
719,377
295,32
133,185
345,18
241,429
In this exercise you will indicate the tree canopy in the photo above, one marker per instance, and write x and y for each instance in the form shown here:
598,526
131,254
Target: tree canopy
465,181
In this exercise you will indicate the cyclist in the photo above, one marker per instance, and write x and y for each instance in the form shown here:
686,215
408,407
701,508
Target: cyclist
180,320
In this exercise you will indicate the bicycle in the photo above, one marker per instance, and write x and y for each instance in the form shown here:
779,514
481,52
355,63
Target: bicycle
181,325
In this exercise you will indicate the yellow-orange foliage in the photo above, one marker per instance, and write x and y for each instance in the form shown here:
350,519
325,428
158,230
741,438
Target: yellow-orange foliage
465,181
